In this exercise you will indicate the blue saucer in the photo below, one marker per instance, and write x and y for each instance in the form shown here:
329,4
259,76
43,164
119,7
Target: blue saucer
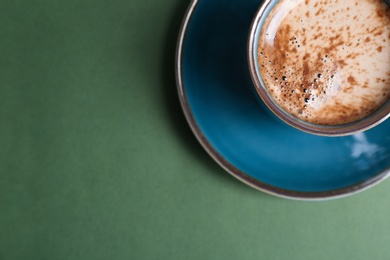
217,97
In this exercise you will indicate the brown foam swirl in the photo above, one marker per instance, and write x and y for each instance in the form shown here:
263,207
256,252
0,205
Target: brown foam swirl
327,62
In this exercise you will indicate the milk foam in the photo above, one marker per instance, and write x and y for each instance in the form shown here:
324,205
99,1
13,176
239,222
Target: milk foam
327,62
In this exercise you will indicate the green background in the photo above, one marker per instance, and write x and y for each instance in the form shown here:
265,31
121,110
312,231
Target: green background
97,160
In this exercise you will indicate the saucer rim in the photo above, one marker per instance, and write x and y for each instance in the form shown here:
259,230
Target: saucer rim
231,169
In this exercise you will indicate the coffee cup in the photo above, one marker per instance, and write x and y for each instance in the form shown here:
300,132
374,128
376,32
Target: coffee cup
323,67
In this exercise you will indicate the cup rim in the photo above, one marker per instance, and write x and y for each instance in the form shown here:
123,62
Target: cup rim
366,123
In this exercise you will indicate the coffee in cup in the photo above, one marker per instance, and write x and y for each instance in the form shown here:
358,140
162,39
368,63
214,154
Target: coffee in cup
327,62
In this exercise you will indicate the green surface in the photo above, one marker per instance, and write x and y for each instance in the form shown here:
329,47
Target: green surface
97,161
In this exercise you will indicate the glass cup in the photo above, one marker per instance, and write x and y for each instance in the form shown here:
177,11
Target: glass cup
371,120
